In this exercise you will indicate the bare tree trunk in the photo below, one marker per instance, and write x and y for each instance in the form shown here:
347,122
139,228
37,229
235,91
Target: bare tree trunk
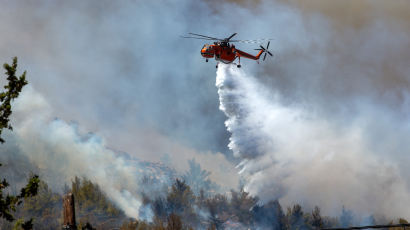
69,212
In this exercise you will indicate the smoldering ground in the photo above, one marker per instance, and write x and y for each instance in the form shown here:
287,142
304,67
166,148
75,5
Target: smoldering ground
121,71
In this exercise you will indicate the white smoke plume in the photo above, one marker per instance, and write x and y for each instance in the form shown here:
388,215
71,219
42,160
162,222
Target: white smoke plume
289,153
61,152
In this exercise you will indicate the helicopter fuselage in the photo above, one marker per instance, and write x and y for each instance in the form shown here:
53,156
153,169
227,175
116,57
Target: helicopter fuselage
225,53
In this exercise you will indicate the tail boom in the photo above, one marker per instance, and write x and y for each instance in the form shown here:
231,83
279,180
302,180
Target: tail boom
240,53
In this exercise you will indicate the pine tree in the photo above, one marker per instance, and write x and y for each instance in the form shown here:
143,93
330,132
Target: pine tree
241,204
295,217
180,201
9,203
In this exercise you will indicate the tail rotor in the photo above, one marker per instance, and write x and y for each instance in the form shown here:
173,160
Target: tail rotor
265,50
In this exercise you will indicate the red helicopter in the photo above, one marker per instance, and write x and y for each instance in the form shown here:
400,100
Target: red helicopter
227,53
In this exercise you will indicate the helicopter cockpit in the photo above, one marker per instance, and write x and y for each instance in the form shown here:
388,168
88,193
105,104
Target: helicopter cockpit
207,51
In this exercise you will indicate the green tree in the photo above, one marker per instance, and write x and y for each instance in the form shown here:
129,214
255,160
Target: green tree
316,221
91,202
181,200
241,204
13,89
8,202
296,218
45,207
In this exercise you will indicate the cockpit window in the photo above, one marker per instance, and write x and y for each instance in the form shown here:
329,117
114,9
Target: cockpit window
207,47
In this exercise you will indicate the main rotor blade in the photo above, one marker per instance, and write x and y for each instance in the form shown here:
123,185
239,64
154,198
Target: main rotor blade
231,36
264,57
269,53
199,38
259,41
267,47
205,36
262,47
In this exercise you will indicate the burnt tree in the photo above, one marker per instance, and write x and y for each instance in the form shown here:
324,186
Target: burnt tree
69,212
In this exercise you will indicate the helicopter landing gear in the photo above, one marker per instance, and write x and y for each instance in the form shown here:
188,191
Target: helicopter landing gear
206,60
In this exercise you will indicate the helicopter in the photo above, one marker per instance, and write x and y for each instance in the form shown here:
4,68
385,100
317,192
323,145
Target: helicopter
225,52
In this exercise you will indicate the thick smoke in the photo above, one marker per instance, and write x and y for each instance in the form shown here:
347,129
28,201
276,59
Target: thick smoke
60,152
291,154
118,70
126,71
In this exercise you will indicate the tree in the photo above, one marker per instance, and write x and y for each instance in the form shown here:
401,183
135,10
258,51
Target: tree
217,207
9,203
45,207
174,222
91,201
296,218
241,205
400,221
198,179
269,215
13,89
317,221
159,206
180,201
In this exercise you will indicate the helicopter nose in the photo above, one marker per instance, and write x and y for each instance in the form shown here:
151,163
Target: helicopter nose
206,54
